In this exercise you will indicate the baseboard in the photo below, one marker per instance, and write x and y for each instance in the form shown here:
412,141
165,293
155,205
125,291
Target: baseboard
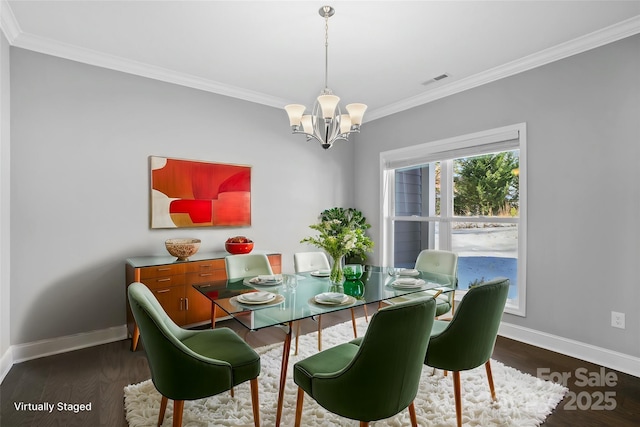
6,362
48,347
600,356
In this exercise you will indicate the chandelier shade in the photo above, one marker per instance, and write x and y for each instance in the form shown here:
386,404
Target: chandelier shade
326,123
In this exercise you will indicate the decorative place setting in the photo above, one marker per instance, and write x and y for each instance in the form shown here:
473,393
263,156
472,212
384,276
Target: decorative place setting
321,273
264,280
403,272
333,299
258,298
408,283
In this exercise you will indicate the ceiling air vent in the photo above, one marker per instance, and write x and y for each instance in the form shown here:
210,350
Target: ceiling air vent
436,79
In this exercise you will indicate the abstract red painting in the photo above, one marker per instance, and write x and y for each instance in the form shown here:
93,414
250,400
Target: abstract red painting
192,193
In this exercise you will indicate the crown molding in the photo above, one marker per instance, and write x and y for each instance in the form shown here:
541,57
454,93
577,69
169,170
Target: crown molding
104,60
8,22
590,41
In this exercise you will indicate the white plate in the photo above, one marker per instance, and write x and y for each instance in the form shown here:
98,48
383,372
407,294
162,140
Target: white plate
260,281
331,298
256,297
321,273
408,283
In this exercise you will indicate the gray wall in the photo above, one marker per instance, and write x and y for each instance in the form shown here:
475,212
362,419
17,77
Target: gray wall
583,123
80,140
5,227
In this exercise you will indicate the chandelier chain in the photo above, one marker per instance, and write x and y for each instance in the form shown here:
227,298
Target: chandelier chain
326,51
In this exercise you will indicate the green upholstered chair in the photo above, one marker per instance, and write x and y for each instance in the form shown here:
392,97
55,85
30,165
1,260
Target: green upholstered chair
191,364
439,262
467,341
247,265
375,376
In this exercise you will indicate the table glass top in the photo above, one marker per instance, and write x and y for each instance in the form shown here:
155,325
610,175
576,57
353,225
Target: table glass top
289,304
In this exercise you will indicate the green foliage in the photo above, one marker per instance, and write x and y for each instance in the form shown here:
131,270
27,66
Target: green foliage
487,185
341,233
349,217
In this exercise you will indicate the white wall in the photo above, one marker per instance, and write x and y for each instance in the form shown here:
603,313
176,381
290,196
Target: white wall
80,139
583,123
5,357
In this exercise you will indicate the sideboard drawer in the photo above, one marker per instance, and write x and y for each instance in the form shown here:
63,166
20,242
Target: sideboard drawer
205,266
164,281
206,276
161,270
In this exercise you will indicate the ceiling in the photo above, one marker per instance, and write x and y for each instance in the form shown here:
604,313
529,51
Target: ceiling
380,52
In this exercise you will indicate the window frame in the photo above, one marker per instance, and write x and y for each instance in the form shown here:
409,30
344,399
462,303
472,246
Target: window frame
489,141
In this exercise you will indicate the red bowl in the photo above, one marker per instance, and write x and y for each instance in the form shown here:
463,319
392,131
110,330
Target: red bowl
238,248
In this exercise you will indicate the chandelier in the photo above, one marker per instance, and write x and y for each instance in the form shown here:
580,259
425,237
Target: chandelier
326,124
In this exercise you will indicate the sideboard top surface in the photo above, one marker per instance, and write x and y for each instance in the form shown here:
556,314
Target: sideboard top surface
150,261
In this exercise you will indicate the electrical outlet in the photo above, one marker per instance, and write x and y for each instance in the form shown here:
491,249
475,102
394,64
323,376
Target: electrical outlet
617,320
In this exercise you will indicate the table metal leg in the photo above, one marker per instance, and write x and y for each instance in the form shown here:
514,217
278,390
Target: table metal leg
283,372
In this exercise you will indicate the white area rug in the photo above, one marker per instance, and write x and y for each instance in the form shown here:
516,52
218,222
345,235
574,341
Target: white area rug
523,400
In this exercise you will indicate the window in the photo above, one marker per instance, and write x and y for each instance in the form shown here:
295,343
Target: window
464,194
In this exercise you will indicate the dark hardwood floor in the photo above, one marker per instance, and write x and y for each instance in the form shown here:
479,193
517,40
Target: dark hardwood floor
97,375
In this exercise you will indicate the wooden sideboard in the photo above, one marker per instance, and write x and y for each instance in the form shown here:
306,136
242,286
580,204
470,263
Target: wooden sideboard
172,281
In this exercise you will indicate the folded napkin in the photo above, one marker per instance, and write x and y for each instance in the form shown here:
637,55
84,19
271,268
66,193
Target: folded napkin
267,278
409,282
324,271
331,297
257,296
408,272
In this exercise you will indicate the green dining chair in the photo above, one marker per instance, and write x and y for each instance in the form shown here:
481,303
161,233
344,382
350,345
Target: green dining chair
438,262
191,364
376,376
467,340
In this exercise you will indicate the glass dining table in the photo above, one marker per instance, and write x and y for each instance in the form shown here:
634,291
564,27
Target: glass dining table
284,299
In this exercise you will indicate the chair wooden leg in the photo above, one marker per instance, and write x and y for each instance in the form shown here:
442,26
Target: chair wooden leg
297,336
487,367
163,408
135,337
299,403
214,311
178,406
412,415
319,333
366,315
458,396
231,391
364,424
353,322
255,402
